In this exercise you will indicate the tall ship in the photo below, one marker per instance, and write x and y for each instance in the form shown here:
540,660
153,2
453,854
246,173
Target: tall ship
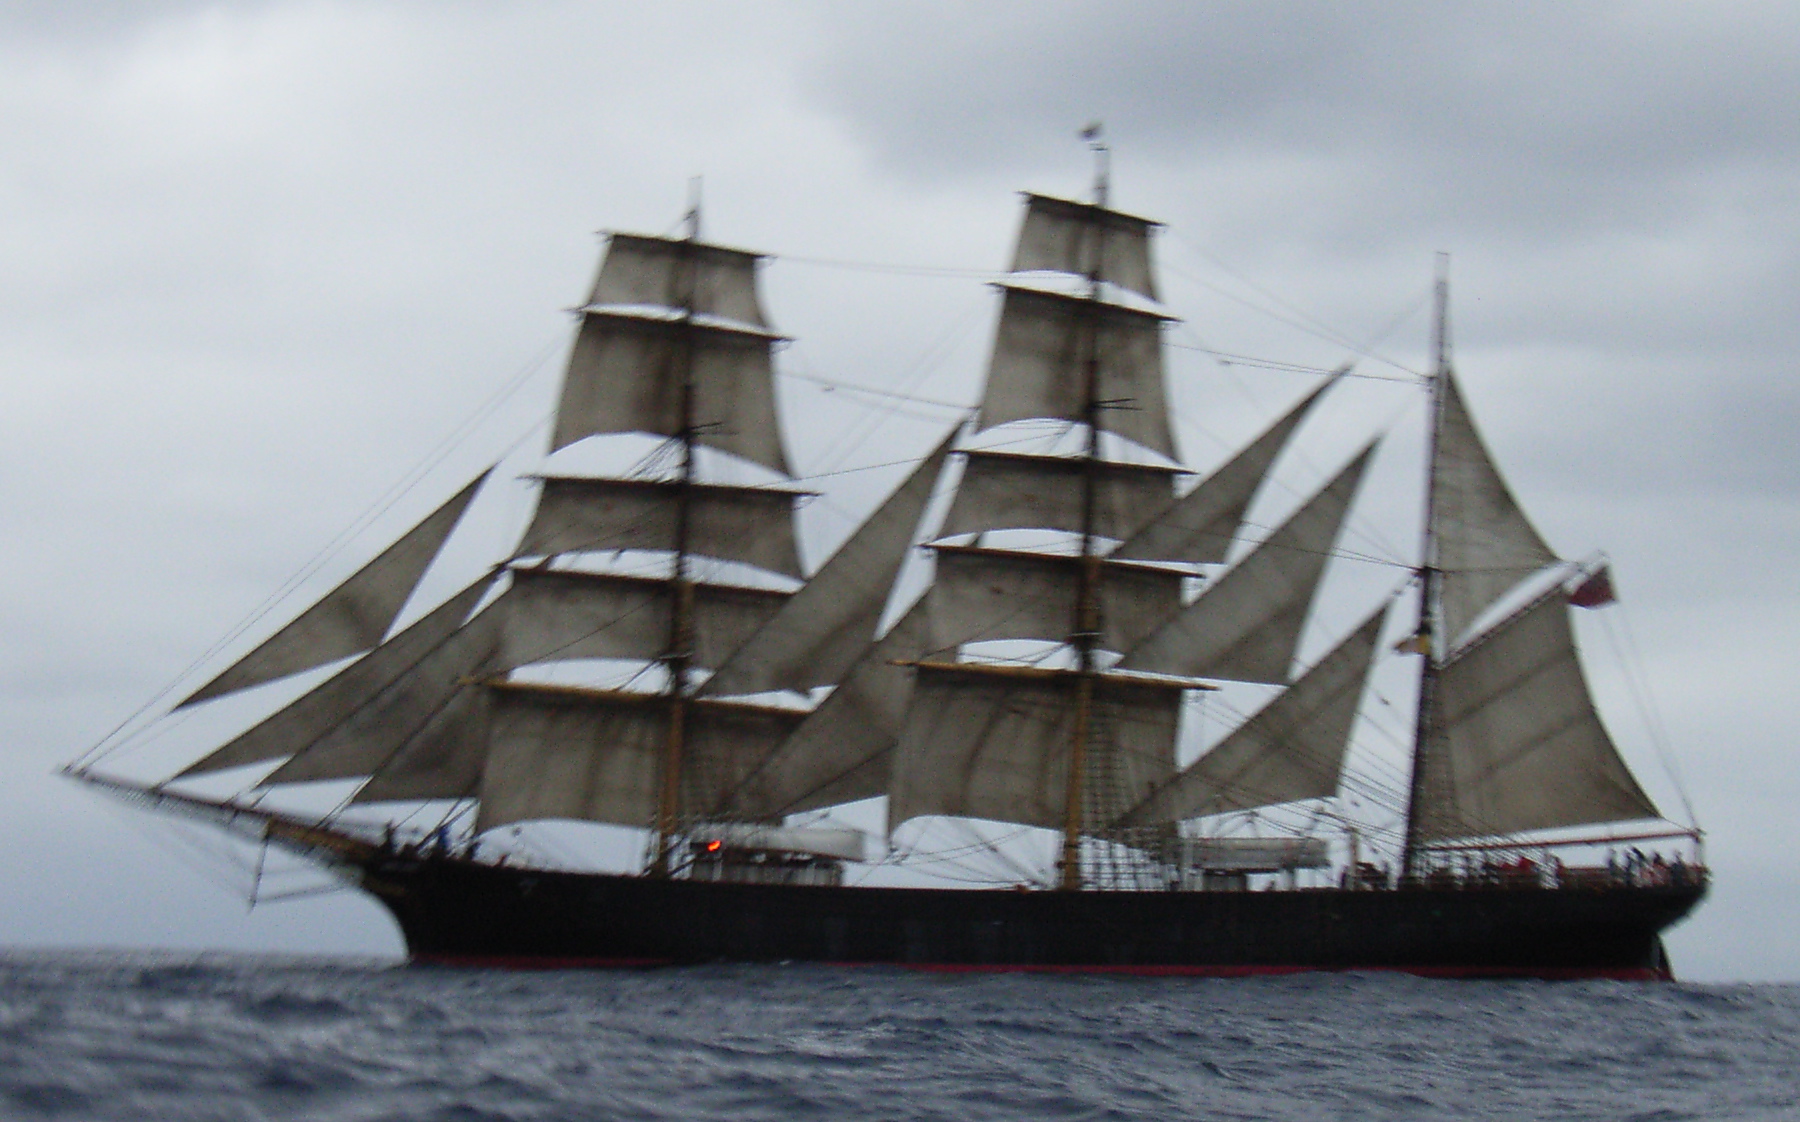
1015,641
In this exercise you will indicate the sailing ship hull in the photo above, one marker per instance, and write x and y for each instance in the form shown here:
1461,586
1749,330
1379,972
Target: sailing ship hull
459,912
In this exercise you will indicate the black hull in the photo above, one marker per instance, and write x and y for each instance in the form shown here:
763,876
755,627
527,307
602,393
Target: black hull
461,912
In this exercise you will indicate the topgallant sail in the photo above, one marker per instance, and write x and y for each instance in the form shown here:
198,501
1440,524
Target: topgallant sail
1042,679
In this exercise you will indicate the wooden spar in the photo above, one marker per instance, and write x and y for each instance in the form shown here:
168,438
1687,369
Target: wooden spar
632,699
256,823
1036,673
1096,561
1428,575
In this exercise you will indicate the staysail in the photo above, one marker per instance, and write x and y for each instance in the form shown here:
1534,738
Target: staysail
1293,748
1485,544
1247,625
842,751
1199,527
352,617
813,638
312,717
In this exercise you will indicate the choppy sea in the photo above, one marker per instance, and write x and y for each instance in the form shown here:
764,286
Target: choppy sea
87,1036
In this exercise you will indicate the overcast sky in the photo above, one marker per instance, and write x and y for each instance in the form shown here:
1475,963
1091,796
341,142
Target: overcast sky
258,261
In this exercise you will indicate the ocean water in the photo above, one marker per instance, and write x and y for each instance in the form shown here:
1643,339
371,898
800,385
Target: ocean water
136,1037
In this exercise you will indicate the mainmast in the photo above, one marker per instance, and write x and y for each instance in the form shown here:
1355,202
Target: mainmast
681,614
1426,639
1087,622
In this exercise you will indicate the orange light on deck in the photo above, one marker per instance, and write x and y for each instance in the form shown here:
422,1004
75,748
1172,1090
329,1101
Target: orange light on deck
714,846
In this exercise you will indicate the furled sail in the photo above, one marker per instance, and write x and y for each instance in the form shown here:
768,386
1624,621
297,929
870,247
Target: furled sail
982,594
313,715
387,723
556,614
827,624
993,742
843,750
1043,352
676,273
1199,527
752,525
1485,544
1293,748
352,617
1247,625
1514,743
1009,491
1059,235
595,754
624,376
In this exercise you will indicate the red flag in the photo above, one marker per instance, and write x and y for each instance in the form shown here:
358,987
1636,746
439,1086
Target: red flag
1595,591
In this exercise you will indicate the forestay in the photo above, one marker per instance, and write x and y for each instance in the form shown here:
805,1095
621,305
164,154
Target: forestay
1246,626
352,617
1514,743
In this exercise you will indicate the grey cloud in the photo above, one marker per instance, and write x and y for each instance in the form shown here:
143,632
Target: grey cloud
1532,114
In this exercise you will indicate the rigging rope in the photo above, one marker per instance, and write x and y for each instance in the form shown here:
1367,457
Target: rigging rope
113,741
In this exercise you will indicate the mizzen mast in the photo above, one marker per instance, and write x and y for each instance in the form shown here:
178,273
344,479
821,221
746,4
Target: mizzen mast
1426,641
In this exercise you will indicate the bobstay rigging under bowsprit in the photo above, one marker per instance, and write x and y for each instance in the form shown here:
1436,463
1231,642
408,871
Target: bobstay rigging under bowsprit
765,695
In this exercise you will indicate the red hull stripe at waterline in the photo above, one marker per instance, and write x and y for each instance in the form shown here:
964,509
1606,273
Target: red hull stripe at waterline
1567,973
